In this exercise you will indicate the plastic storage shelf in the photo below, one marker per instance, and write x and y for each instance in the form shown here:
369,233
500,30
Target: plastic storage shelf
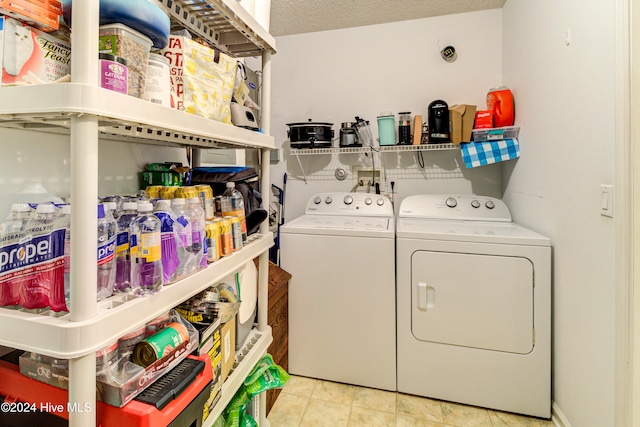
117,316
86,113
134,119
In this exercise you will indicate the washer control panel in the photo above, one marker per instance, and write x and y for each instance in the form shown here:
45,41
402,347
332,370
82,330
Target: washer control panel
360,204
460,207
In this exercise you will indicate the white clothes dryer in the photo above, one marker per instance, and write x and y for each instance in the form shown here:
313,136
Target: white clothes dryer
340,255
473,305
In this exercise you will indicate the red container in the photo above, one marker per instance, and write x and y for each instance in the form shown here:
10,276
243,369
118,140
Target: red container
500,102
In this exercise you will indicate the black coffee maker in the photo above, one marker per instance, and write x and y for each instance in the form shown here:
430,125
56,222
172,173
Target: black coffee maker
438,122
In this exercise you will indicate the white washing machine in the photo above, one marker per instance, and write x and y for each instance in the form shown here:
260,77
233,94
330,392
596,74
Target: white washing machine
342,318
473,304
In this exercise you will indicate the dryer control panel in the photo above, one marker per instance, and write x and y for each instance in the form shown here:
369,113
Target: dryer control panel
342,203
458,207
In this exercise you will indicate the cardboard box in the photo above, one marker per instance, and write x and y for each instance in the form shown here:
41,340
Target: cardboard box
228,344
166,179
462,117
211,344
54,6
202,79
25,50
31,14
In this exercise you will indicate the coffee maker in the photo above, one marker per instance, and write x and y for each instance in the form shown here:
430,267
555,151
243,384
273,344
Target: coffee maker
438,122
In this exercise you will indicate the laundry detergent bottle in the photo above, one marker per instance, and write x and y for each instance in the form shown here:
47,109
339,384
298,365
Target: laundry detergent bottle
500,103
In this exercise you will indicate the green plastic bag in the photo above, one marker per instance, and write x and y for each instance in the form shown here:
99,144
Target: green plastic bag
266,375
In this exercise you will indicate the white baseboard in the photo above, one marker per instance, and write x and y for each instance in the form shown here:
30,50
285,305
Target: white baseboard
558,418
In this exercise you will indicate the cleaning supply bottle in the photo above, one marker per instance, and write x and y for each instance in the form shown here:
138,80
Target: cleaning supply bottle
168,240
123,257
146,251
233,205
500,103
107,230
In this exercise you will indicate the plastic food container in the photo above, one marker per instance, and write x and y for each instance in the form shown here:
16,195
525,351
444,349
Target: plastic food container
134,47
494,134
157,87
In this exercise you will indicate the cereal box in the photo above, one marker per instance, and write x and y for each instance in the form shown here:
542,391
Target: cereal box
202,79
25,50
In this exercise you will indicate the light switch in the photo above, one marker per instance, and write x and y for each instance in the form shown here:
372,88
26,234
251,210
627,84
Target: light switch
606,200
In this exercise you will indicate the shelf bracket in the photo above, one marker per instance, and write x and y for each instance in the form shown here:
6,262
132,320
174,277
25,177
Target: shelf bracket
304,175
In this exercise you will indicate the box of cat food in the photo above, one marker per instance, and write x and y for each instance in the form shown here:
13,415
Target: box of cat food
31,55
31,13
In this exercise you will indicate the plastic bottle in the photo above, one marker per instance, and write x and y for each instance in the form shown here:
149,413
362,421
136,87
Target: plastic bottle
500,103
146,251
107,230
198,234
184,238
12,232
123,257
233,205
65,220
170,259
46,249
18,217
113,208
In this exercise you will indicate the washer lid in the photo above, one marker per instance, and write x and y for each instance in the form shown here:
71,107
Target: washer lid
469,231
341,226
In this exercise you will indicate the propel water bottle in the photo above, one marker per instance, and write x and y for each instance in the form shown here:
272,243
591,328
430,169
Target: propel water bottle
170,259
42,246
146,251
198,233
11,232
123,255
107,230
61,299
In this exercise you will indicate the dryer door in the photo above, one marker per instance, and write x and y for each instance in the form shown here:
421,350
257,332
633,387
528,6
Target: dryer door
473,300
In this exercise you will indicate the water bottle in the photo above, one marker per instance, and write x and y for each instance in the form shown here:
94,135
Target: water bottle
170,259
184,238
113,208
198,235
18,217
146,251
11,233
56,301
233,205
45,248
123,258
107,231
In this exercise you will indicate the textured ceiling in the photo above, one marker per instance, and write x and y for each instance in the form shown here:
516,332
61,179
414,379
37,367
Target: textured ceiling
307,16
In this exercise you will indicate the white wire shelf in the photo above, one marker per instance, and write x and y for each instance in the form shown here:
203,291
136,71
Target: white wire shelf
225,23
383,149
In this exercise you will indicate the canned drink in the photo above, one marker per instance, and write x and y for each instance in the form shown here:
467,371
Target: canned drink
153,191
205,192
168,193
226,237
187,192
236,232
212,230
160,344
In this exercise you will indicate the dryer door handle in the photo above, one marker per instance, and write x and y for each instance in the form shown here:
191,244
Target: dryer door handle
426,296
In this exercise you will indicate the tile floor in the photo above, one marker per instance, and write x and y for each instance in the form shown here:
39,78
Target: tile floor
307,402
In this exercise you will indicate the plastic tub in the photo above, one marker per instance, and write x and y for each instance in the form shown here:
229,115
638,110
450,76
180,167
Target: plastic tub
495,134
134,47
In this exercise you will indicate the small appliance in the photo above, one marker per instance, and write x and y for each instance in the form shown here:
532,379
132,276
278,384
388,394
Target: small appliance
348,135
310,134
438,122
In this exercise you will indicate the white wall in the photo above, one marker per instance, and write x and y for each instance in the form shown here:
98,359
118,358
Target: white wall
45,158
333,76
565,105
